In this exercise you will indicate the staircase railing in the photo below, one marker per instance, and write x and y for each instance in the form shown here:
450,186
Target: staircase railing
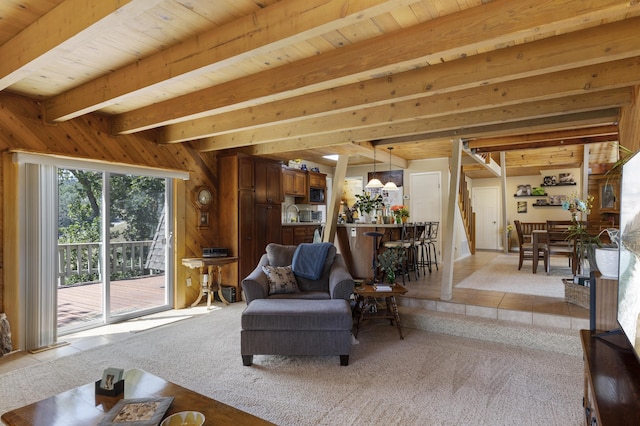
468,216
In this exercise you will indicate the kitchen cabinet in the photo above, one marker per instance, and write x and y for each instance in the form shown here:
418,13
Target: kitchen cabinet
294,182
249,214
298,234
268,182
317,180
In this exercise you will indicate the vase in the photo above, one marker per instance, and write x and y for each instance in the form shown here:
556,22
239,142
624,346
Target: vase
398,220
404,219
609,259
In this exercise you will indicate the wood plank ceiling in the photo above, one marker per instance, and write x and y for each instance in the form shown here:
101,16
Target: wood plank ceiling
287,79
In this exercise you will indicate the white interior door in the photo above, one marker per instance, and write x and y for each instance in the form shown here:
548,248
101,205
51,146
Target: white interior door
486,205
426,201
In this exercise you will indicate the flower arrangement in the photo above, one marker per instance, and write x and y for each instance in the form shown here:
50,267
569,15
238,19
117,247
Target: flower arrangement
400,211
509,228
575,205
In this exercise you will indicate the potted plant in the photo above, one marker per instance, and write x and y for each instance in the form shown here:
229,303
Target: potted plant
389,262
400,212
367,203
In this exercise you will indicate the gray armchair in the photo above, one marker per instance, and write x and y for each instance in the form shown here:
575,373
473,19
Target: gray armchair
335,281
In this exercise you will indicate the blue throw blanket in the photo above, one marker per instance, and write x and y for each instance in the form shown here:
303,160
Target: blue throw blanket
308,259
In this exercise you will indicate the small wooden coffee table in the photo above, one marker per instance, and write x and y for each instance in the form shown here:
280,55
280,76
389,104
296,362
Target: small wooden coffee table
366,296
82,407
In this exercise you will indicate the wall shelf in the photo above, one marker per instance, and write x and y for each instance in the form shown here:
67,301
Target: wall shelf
561,184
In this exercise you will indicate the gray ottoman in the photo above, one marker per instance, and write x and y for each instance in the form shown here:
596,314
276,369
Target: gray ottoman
296,327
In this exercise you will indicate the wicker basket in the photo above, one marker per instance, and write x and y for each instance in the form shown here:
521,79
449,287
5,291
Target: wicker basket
577,294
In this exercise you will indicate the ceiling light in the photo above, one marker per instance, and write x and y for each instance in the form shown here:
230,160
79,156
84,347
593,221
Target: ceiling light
374,182
332,157
390,186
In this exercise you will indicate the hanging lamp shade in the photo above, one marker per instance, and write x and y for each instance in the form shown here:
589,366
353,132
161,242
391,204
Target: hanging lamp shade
390,186
374,182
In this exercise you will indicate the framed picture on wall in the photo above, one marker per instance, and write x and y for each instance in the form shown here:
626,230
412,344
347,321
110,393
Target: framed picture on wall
608,197
522,206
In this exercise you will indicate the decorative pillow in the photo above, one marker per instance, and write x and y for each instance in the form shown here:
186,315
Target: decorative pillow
281,279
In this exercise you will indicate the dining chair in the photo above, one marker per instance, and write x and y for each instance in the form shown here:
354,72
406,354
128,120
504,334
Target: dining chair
526,247
559,242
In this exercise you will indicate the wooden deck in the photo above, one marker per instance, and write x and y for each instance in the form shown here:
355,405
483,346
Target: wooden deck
84,302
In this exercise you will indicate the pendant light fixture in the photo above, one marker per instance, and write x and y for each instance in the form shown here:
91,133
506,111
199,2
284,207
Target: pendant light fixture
390,186
374,182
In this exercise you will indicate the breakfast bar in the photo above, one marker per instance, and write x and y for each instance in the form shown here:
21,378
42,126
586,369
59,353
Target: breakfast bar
357,248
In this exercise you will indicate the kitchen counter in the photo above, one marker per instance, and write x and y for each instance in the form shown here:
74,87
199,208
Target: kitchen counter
302,223
357,248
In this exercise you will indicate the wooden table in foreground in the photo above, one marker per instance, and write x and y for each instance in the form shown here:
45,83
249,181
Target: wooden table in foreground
82,407
366,296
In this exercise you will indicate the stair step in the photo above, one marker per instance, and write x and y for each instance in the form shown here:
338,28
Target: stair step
536,337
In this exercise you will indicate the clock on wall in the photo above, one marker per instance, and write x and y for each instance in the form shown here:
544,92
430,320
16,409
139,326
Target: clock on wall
203,198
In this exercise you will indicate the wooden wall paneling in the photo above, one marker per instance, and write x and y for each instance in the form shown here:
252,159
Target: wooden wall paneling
10,294
22,128
629,124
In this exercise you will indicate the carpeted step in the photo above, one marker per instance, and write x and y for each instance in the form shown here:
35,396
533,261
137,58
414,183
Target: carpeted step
549,339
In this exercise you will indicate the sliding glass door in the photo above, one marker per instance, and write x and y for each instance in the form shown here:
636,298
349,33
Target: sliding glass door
112,261
94,243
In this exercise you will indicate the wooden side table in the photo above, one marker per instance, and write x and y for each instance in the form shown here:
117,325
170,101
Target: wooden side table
366,304
207,286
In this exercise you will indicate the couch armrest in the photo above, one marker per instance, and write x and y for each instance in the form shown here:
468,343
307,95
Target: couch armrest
340,280
256,285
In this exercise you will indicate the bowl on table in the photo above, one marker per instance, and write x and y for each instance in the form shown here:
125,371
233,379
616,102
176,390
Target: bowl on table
184,418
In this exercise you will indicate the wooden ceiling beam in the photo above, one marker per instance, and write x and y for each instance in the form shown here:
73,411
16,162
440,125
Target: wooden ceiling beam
514,146
70,24
387,53
605,43
558,136
267,29
561,84
488,116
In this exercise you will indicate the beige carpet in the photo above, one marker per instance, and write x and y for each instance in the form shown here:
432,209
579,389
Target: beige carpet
502,274
426,379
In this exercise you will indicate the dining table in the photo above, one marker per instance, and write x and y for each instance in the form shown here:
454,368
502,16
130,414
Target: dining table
540,236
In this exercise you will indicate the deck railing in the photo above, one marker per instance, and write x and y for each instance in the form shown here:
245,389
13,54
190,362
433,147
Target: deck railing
82,260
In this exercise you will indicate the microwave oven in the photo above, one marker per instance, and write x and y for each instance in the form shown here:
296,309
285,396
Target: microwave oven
316,195
310,216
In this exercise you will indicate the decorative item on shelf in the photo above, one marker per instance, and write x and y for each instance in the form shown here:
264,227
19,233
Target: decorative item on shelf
400,212
389,262
390,186
549,181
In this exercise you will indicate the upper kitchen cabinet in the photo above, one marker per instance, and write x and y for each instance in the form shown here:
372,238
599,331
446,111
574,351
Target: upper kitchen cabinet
268,182
294,183
317,185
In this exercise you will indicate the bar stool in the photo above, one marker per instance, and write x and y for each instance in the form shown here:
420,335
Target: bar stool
431,244
374,266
